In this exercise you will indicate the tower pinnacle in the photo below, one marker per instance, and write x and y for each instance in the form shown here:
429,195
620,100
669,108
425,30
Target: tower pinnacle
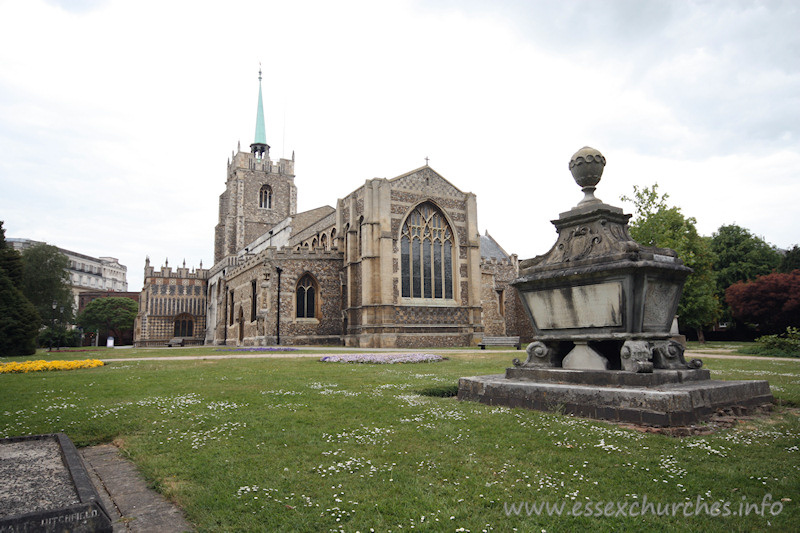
260,148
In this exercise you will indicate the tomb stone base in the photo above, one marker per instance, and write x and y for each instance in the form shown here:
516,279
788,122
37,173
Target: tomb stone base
660,398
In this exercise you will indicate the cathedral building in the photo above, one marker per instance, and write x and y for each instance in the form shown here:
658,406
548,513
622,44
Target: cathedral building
397,263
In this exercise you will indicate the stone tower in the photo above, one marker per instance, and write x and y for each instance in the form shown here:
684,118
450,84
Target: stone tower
259,193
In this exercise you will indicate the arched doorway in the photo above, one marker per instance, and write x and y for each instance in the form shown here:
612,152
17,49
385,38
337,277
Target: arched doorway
183,326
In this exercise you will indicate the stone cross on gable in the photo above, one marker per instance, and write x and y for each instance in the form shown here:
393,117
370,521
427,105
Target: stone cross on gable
426,160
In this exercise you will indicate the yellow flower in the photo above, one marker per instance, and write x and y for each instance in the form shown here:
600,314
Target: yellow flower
39,366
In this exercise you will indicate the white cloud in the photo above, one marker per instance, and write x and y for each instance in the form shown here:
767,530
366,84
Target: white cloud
118,116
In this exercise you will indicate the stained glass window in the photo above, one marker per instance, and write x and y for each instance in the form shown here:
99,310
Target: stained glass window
306,297
426,254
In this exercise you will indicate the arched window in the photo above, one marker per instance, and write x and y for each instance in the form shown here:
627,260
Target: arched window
314,242
323,241
426,250
265,197
306,297
184,326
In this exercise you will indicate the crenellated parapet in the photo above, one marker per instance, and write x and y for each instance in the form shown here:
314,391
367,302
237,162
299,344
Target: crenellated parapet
249,261
166,271
248,161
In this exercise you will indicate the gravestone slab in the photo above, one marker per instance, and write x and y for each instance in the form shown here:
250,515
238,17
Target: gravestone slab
44,487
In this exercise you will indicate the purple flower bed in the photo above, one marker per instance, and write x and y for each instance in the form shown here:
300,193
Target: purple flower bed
264,349
382,358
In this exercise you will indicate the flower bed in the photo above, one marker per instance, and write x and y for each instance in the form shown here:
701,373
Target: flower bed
42,366
262,349
382,358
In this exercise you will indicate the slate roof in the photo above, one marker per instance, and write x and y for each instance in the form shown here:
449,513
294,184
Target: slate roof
490,248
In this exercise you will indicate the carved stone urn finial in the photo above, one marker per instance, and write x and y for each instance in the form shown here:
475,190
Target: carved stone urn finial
586,166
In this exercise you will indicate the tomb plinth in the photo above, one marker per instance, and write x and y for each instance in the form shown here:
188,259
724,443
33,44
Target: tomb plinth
602,308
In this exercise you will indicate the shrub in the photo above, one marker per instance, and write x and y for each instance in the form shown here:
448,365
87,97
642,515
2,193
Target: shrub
786,344
58,337
772,301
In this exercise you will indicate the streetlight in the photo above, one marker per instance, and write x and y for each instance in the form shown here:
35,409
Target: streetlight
53,325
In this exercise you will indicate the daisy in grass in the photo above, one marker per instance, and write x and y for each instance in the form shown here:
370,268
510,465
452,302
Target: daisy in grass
382,358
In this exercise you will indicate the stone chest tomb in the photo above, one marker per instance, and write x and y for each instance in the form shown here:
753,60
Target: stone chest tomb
602,306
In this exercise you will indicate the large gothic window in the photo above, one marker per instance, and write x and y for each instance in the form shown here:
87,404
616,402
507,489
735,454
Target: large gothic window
184,326
265,197
306,297
426,249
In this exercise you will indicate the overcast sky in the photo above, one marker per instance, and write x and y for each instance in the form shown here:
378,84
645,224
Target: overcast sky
117,117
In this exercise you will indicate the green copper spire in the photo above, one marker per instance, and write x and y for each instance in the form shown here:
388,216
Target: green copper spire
260,146
261,136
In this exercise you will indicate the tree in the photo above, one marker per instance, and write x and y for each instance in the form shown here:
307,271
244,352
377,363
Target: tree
771,302
109,315
790,260
740,256
45,282
10,259
19,322
657,224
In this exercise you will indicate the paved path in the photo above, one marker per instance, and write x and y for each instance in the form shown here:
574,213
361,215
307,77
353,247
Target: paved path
133,506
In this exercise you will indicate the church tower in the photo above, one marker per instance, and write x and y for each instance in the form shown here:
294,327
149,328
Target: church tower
259,193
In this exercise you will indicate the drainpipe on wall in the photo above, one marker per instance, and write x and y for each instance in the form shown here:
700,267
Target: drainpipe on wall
278,314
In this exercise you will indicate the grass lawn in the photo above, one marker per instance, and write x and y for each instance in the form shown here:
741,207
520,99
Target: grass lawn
288,444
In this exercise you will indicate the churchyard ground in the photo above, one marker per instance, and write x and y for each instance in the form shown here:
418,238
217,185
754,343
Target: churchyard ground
293,444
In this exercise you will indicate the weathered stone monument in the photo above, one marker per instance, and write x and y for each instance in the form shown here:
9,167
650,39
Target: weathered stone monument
602,307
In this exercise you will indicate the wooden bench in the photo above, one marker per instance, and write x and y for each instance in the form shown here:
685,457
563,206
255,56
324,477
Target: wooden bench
500,341
175,341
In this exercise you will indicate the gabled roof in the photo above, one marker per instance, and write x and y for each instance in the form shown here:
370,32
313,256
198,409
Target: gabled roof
425,176
490,248
303,220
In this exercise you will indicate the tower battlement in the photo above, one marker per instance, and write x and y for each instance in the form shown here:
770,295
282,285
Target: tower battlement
249,161
166,272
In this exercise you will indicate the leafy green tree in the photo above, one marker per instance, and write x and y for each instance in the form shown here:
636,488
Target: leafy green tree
791,260
655,223
10,259
109,315
45,282
19,322
740,256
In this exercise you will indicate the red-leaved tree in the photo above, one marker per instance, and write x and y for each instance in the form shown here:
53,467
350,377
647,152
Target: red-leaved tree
772,301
